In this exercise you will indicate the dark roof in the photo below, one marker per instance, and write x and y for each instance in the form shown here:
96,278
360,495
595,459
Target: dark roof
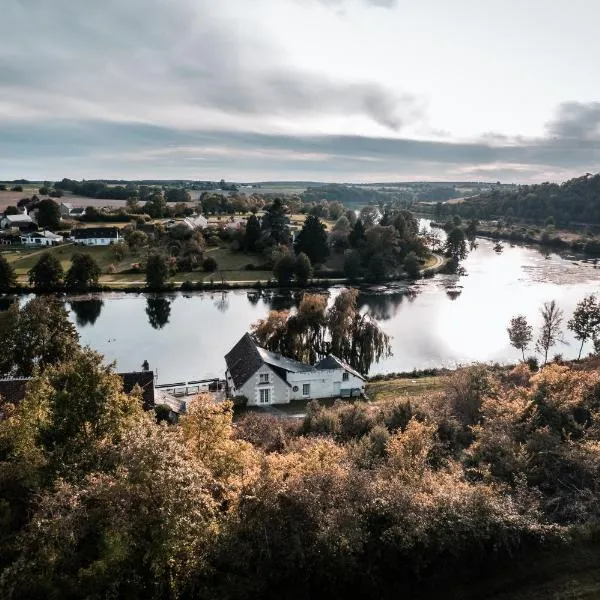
243,360
13,390
145,379
86,233
331,362
275,359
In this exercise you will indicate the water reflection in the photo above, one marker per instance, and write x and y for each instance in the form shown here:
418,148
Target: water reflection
158,310
384,307
221,301
86,311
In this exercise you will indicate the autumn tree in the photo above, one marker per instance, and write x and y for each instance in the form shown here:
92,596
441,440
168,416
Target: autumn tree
550,332
37,335
520,333
585,323
47,273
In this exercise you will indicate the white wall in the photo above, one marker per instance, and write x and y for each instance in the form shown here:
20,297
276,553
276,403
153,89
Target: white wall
97,241
280,390
323,383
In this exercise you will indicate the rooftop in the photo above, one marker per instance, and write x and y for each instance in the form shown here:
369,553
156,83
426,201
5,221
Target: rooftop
86,233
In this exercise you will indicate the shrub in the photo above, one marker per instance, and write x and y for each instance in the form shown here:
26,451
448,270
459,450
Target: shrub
209,265
533,363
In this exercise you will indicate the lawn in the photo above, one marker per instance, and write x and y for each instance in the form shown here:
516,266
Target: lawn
390,389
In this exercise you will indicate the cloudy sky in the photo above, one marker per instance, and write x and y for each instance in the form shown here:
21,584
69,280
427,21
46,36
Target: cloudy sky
327,90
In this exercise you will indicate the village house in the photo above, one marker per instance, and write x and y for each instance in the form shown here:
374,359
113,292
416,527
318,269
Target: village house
192,223
23,222
265,377
68,210
96,236
41,238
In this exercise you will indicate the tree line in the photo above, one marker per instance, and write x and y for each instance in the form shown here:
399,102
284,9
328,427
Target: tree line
573,202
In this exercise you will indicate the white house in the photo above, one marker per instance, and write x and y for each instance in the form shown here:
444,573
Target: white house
41,238
192,223
266,377
67,210
96,236
22,221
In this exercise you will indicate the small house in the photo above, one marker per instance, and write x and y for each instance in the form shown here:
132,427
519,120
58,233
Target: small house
266,377
24,222
96,236
41,238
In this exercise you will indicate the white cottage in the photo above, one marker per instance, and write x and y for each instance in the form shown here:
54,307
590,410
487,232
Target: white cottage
266,377
41,238
96,236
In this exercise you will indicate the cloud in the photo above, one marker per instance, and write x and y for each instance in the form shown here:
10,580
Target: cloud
576,121
379,3
142,58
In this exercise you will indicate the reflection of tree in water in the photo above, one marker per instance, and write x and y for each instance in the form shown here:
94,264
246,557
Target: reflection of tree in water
86,311
222,301
281,299
382,306
453,294
158,310
254,297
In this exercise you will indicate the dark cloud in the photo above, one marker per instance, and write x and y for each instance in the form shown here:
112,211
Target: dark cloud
100,149
576,121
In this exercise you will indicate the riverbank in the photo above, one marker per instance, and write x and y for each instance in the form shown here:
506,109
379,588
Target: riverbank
221,280
553,239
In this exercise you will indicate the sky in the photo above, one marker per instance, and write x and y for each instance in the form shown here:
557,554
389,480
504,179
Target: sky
300,90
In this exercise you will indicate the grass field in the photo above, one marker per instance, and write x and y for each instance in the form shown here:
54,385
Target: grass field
8,198
379,391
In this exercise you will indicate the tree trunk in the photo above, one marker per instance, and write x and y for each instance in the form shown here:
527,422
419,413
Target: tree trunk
581,348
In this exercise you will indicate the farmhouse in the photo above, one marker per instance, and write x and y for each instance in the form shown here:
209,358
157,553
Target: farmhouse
68,210
41,238
265,377
96,236
22,221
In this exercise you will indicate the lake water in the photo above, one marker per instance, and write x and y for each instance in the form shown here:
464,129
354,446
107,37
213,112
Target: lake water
444,321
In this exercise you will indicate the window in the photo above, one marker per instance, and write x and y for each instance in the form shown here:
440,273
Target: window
265,396
306,389
264,378
345,376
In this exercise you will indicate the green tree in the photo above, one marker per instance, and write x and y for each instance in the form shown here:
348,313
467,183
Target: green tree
251,233
136,239
275,223
312,240
8,277
47,273
520,333
156,206
157,271
11,210
357,236
38,334
456,245
83,273
177,195
284,268
412,266
303,268
550,332
585,323
48,214
352,264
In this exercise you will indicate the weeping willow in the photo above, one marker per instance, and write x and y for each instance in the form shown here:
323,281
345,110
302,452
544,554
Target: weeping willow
315,331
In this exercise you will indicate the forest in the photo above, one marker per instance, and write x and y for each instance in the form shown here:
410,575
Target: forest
574,202
398,497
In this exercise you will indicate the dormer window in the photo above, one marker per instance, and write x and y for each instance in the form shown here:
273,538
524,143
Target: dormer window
264,378
345,376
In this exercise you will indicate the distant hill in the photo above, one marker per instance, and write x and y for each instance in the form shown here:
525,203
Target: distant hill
574,202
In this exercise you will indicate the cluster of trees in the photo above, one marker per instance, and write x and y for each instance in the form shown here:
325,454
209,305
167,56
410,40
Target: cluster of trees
100,500
585,325
570,203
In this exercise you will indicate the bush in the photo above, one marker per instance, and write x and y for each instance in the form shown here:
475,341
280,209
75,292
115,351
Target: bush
533,363
240,401
209,265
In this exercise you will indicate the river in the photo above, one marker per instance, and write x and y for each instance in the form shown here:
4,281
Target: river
444,321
